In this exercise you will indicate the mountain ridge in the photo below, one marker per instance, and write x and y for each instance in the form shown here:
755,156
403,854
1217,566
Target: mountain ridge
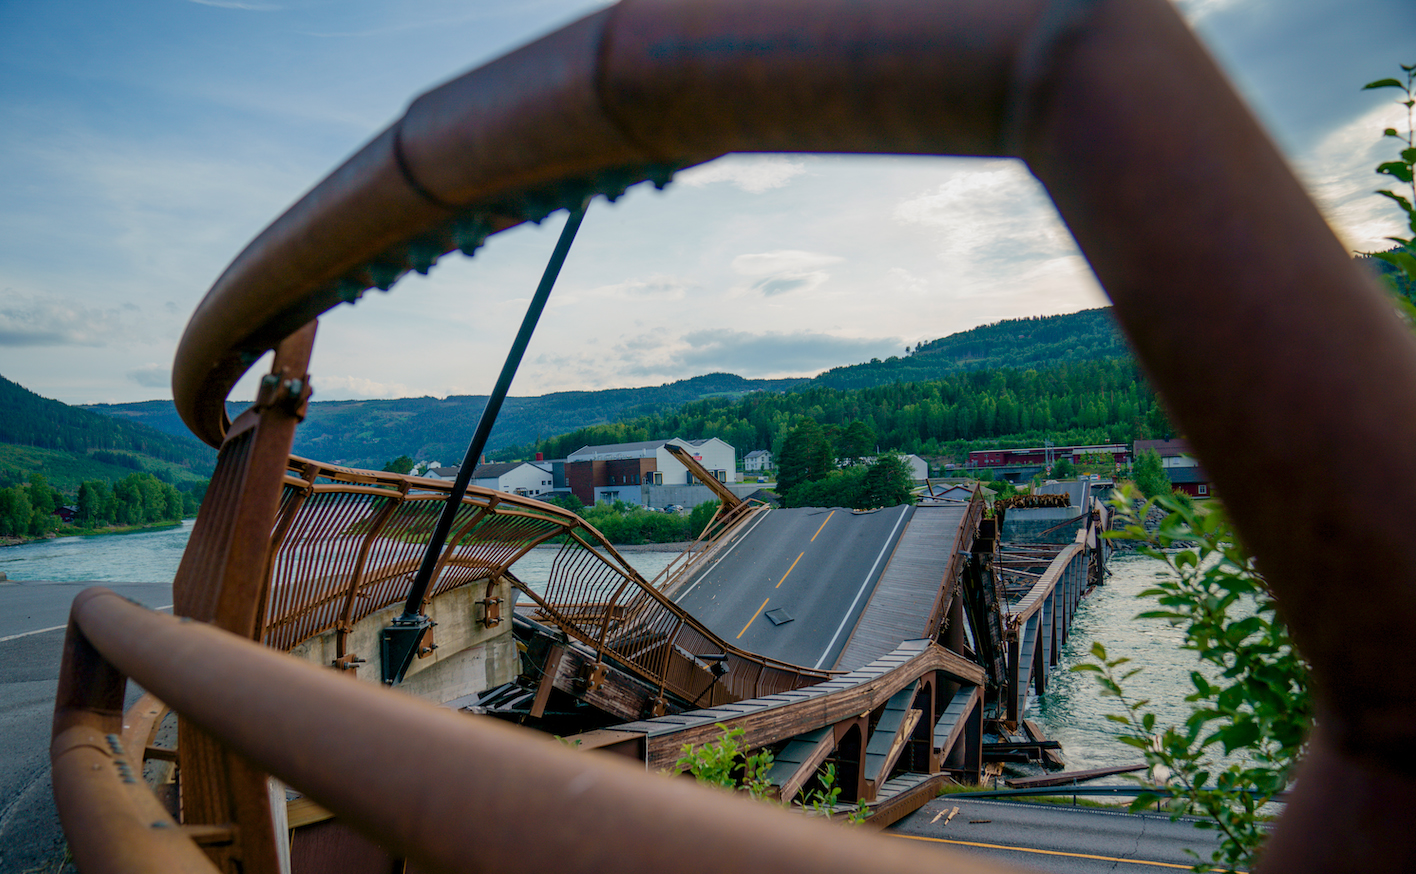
369,432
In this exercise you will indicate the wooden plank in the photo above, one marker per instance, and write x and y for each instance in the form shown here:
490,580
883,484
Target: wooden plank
954,721
902,736
1051,757
800,759
622,695
547,682
790,718
302,811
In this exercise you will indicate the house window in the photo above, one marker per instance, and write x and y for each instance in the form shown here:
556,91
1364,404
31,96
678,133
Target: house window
1204,489
658,478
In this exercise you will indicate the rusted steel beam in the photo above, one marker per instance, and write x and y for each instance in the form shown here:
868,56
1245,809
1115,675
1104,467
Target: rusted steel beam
704,475
557,809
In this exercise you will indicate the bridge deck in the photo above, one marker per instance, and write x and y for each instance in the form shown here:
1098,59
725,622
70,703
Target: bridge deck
794,583
903,602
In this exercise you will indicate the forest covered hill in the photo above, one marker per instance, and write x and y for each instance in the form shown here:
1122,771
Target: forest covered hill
368,433
69,445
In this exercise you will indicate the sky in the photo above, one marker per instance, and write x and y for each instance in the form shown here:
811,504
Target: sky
144,143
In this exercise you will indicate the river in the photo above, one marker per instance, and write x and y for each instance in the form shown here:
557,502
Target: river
1072,711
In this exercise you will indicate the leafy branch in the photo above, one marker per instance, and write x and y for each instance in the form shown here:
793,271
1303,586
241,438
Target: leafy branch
726,763
1250,696
1403,170
718,764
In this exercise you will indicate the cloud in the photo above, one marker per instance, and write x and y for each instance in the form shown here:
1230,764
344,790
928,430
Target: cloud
753,175
749,354
330,388
37,321
659,286
1196,10
784,270
996,214
1340,174
151,376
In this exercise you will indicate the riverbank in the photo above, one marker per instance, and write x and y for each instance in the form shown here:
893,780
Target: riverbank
69,531
675,546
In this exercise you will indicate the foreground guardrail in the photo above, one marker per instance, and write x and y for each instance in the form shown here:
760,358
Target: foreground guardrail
474,795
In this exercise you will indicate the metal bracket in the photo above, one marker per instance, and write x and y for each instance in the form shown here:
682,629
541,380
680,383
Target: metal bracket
400,642
658,707
594,677
293,394
491,611
347,662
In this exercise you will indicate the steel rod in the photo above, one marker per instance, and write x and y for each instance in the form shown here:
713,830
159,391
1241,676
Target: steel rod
414,606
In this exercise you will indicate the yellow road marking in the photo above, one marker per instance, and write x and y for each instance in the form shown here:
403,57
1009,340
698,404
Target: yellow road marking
823,525
1045,852
789,570
750,621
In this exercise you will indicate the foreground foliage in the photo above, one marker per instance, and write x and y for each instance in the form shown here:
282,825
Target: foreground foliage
1401,277
727,764
1250,699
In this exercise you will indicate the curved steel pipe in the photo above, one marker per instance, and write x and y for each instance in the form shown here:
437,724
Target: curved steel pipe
483,795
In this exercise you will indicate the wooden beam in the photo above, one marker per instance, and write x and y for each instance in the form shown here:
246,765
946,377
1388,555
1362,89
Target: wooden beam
774,724
800,759
547,681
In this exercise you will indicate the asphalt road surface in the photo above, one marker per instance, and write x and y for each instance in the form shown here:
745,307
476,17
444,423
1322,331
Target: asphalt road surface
1058,838
33,616
793,585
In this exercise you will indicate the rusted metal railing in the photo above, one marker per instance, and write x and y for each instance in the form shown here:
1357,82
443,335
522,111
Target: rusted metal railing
555,809
347,543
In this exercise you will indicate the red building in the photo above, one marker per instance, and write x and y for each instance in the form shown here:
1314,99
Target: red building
1046,456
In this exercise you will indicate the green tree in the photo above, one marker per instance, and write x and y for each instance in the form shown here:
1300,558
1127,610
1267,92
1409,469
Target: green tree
15,512
839,488
854,441
1149,475
887,483
1063,469
128,501
43,502
805,457
95,504
568,502
401,464
700,516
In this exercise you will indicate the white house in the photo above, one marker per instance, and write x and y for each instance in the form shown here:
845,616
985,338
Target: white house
757,460
719,457
516,477
621,471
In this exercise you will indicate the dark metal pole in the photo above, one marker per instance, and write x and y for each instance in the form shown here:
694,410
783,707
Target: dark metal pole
410,626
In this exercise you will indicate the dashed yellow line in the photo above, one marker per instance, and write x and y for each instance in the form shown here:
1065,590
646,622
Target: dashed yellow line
753,619
823,525
789,570
1045,852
